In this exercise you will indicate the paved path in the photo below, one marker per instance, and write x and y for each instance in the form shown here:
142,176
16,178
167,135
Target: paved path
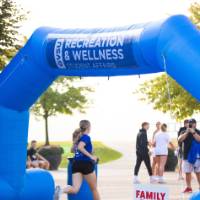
115,178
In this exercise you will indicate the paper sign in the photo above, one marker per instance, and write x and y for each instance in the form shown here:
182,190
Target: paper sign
150,192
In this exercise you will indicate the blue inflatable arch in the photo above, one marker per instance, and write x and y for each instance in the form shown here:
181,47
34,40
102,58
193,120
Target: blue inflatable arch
50,52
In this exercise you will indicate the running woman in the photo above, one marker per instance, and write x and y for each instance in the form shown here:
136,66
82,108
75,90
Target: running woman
83,165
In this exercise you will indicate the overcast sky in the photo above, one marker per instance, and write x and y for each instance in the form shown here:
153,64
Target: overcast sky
115,112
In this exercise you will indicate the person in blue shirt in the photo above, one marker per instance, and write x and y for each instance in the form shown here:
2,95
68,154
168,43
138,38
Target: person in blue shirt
83,165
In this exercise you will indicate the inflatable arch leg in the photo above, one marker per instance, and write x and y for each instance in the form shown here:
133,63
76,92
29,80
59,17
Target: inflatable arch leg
15,183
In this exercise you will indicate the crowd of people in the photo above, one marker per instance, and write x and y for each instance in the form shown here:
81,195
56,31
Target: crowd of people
159,151
153,152
188,152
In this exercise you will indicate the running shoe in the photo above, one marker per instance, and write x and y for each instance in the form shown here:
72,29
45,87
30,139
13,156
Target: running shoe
187,190
153,180
57,193
136,181
161,180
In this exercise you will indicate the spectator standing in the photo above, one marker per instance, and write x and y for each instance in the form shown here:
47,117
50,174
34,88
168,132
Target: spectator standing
142,152
186,138
161,142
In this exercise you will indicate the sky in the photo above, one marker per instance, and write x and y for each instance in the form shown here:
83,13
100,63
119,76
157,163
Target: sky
98,13
115,112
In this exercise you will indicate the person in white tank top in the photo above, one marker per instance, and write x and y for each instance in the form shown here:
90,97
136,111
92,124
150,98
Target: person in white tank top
161,143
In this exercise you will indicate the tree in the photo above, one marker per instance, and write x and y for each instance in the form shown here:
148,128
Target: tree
61,97
195,13
166,94
11,16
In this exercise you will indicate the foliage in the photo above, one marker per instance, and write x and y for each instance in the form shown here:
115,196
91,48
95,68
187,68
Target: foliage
62,97
179,102
195,13
11,17
156,91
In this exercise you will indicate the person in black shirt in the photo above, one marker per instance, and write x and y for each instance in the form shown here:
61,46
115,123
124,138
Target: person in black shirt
180,148
34,159
142,152
186,138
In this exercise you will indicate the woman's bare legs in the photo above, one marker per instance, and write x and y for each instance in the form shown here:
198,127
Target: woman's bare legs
154,166
77,180
161,167
163,160
92,182
35,164
158,165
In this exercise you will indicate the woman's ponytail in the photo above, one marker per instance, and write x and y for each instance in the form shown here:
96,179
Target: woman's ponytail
75,138
83,126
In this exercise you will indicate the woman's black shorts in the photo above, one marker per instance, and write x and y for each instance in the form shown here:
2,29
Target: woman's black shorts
83,167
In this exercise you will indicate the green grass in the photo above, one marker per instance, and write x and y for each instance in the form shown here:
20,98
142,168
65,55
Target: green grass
104,153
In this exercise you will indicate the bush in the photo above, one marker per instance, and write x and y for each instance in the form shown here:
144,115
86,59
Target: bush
172,161
53,154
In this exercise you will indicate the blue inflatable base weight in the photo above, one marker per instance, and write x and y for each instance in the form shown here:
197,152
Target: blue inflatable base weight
195,196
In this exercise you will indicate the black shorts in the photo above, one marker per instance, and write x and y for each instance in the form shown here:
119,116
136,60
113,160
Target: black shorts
83,167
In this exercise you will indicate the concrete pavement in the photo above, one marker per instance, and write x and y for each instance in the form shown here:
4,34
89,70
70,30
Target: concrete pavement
115,179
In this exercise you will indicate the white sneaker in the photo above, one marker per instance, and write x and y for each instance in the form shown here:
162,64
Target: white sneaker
57,193
135,180
156,178
153,179
161,180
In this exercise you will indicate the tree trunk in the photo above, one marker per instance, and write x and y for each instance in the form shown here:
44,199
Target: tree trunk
46,130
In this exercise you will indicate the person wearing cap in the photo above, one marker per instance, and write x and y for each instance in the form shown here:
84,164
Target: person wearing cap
180,148
186,138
